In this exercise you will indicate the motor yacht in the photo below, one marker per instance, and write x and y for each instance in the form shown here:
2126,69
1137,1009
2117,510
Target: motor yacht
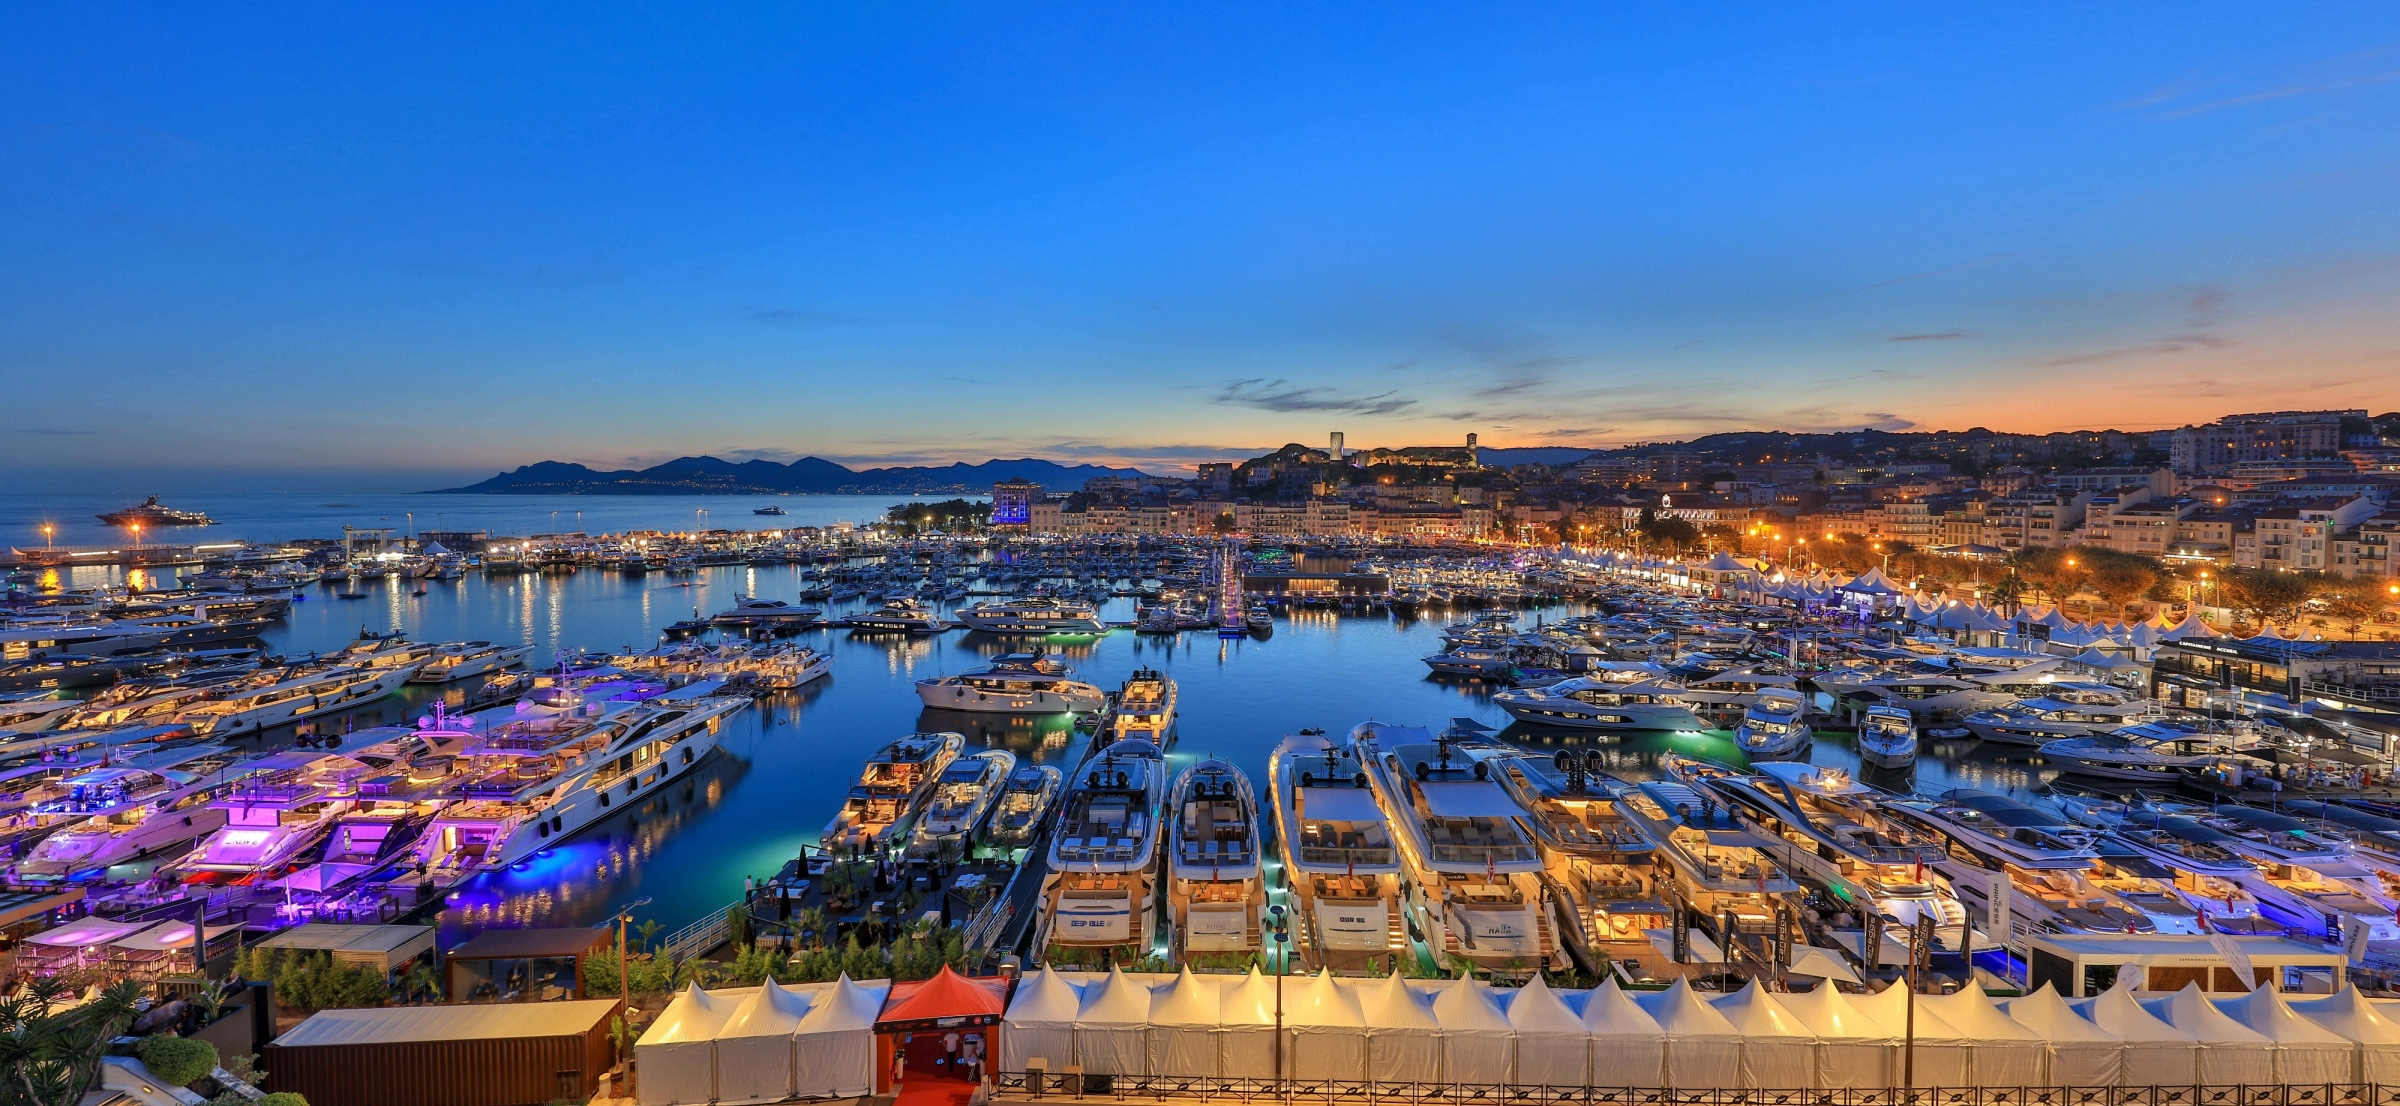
2306,876
1032,615
1022,808
293,694
2158,754
903,615
1477,662
1100,898
1602,872
2208,875
1216,885
2006,859
1598,703
82,824
281,804
1472,873
1713,864
1339,863
752,612
1018,683
1887,737
961,799
1775,727
151,513
2064,710
1145,709
893,787
462,660
1837,832
372,651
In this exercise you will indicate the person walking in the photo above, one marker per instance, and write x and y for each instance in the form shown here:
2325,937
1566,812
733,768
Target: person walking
949,1058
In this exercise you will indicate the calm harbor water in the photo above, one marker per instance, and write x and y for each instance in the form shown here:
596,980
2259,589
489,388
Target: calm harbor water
787,761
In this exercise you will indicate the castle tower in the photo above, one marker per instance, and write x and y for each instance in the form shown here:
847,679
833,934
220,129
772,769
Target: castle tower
1472,460
1337,445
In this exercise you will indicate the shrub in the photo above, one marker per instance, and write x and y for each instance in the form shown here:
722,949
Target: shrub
283,1098
316,981
178,1060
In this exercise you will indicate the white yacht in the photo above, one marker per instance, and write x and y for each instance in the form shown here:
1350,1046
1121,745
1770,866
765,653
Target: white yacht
281,804
1477,662
1339,863
2064,710
2029,865
1887,737
462,660
1019,683
1602,872
2209,875
1590,703
2309,876
1714,865
2160,754
891,790
287,695
1216,883
391,650
1023,806
1473,875
1846,838
961,799
903,615
113,815
1145,709
752,611
1100,898
1033,615
1775,727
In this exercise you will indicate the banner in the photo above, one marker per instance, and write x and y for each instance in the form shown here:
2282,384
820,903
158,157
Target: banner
2235,955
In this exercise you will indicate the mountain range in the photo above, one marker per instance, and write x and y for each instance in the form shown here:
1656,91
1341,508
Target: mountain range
716,476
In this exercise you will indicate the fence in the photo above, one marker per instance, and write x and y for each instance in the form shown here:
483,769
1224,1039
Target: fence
1017,1084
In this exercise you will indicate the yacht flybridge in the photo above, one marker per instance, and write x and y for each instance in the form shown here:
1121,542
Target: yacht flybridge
282,804
1338,859
1216,885
891,789
1022,808
1100,898
1019,683
1473,883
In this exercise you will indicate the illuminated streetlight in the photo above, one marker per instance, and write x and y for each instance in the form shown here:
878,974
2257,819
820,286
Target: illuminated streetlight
47,529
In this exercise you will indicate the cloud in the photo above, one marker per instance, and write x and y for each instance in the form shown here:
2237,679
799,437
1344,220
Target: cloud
1576,432
1943,337
787,316
2177,343
1283,395
2209,301
1885,420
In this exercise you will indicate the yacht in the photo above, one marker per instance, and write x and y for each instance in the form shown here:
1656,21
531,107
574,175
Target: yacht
93,820
151,513
372,650
1476,662
1033,615
903,615
2209,875
283,803
462,660
1216,883
2001,850
1100,898
1022,808
1018,683
1602,873
2308,877
2064,710
1472,873
1595,703
1713,865
1837,833
2160,754
1145,709
530,776
961,798
752,611
1775,727
891,790
1339,864
769,509
1887,737
2374,837
286,695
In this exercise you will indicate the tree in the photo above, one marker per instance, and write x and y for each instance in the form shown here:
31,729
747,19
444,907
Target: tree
2009,593
51,1057
2121,580
2262,593
2352,602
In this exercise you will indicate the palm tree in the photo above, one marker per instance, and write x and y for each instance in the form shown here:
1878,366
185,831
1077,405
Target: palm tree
50,1057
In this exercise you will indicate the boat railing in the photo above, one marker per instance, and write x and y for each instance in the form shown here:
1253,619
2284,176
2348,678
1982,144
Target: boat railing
1478,854
1327,854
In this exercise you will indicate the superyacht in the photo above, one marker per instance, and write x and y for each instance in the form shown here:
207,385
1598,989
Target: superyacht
1019,683
962,798
1100,898
2064,710
891,790
1145,709
1473,875
2041,867
1033,615
1835,831
1216,884
1022,808
462,660
1713,865
1588,703
1603,874
1338,861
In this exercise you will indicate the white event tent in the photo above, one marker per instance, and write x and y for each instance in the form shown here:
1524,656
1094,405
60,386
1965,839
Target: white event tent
678,1053
2081,1053
1040,1022
1246,1028
755,1047
2350,1015
1778,1049
2005,1053
2231,1053
1628,1047
1112,1029
1853,1049
1941,1051
1404,1041
2305,1052
1703,1049
834,1045
1552,1045
2156,1053
1476,1038
1326,1035
1183,1026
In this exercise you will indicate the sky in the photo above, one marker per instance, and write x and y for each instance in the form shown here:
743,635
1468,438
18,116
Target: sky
398,246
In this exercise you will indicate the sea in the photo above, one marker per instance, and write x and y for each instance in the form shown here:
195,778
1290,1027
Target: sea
786,762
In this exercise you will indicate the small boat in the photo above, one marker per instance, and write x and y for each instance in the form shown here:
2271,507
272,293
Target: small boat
1775,727
1887,737
1023,805
965,793
768,510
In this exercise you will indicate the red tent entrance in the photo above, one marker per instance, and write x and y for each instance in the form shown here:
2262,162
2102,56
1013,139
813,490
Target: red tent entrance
921,1018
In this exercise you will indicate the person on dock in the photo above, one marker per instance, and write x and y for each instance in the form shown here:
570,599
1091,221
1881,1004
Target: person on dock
949,1058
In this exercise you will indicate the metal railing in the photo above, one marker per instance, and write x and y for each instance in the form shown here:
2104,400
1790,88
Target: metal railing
714,928
1060,1084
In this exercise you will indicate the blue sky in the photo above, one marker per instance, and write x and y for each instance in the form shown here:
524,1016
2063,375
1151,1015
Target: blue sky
387,244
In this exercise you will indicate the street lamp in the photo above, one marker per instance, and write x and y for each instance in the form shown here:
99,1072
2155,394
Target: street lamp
137,535
1283,955
47,529
625,983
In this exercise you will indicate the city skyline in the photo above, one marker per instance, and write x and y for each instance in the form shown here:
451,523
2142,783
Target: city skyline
408,251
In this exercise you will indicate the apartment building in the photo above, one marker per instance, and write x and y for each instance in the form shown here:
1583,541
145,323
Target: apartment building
2300,538
2265,436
